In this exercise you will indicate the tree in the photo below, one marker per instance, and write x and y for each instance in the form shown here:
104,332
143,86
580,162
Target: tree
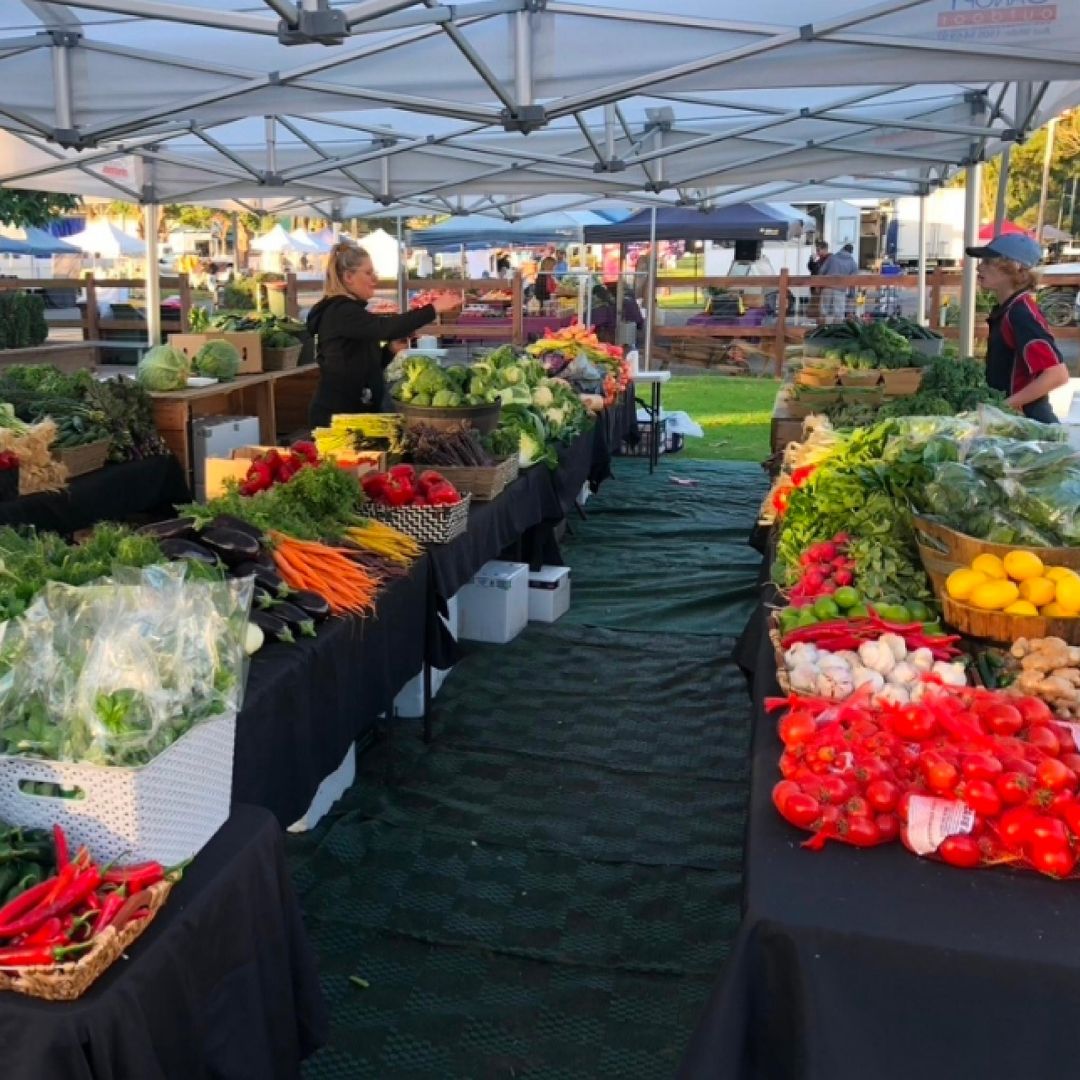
37,208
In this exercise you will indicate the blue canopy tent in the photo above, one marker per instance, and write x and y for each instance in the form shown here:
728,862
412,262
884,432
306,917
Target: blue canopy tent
741,221
42,243
477,233
10,246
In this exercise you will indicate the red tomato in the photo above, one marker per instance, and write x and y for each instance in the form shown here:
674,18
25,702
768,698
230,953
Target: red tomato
981,767
1033,710
882,795
1044,738
861,832
888,827
1052,858
1053,775
789,765
797,727
913,722
941,775
830,817
982,797
857,806
1070,812
781,791
1042,827
1061,801
800,810
1001,718
960,851
830,789
1014,825
1072,761
1014,788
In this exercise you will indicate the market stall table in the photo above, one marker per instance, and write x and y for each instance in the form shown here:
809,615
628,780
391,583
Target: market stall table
655,380
221,986
307,703
872,963
114,493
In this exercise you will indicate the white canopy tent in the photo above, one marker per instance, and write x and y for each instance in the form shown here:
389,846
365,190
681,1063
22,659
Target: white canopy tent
103,240
276,241
490,105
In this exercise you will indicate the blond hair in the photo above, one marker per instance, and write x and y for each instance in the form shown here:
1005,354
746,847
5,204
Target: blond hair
344,258
1024,278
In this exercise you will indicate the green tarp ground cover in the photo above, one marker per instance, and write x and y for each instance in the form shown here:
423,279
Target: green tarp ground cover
550,887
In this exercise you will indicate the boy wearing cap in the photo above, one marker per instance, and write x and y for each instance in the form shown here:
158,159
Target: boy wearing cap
1022,359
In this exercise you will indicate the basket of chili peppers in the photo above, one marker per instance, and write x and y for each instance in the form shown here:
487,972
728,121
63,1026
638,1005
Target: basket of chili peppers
58,936
425,505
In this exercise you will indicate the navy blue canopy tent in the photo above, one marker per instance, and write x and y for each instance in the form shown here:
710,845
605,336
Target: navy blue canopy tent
742,221
477,233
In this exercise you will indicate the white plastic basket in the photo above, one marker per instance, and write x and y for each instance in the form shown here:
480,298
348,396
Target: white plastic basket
166,810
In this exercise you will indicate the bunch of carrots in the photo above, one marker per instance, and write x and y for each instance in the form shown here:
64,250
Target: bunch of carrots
328,571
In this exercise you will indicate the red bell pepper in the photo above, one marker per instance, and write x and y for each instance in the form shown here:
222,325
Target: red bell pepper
306,450
444,494
404,471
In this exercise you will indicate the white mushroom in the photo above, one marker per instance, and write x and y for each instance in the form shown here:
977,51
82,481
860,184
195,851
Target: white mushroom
951,674
904,674
922,660
863,676
896,644
877,655
803,678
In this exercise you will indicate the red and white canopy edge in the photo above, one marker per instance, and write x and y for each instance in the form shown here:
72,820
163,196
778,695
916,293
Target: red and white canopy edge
509,107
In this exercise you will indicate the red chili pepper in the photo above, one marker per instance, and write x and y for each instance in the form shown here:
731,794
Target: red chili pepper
136,877
110,909
25,901
70,898
63,855
47,932
20,956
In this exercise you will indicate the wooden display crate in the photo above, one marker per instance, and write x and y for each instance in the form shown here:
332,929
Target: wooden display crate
248,343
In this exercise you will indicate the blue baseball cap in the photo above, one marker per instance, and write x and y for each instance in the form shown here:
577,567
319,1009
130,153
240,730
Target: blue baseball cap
1014,246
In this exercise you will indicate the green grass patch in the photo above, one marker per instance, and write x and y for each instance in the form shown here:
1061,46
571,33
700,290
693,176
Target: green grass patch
734,412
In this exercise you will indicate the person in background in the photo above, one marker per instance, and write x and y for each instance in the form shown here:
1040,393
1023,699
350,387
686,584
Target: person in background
349,339
561,266
814,264
545,285
1022,358
839,264
503,269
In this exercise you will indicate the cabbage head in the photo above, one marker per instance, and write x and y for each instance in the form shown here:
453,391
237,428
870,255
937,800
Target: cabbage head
163,368
218,359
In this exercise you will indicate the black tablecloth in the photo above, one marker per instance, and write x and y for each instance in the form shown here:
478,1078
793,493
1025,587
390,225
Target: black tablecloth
307,702
113,493
876,964
221,986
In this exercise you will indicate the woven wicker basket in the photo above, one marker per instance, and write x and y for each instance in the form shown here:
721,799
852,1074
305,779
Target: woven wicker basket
900,382
815,376
781,669
426,524
484,482
281,359
83,459
853,377
66,982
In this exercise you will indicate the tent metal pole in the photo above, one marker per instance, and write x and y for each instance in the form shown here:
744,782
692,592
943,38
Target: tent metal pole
651,286
61,64
972,178
151,211
401,269
1048,155
1003,188
523,74
920,307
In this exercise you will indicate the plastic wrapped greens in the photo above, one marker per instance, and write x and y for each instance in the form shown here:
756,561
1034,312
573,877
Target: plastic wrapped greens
992,421
113,673
1003,458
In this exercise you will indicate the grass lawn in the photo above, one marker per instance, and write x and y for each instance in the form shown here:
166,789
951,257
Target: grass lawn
734,412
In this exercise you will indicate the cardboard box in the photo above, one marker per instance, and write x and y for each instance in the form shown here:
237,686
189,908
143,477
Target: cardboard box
247,342
549,593
494,606
235,467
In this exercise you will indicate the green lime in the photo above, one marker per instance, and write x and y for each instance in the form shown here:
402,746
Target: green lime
918,611
933,628
789,619
894,613
807,617
846,597
826,608
857,611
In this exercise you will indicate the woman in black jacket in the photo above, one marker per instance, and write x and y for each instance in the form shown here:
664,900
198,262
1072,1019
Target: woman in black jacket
349,339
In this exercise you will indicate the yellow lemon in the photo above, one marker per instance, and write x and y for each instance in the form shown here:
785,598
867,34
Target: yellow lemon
960,583
1068,594
1021,565
1039,590
1056,573
990,565
1021,607
1056,611
994,595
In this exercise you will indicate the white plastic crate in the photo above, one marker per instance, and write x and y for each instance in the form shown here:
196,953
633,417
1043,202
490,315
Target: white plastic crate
166,810
495,604
330,790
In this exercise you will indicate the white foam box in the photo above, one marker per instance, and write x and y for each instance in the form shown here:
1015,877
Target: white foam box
549,593
494,606
410,700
